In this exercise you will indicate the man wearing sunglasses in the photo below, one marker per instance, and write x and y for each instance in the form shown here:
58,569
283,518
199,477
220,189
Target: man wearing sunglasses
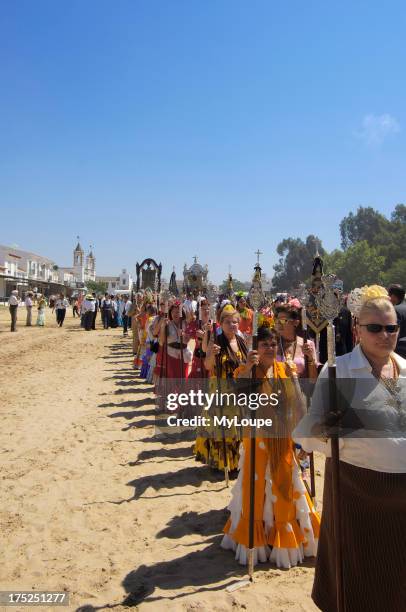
397,297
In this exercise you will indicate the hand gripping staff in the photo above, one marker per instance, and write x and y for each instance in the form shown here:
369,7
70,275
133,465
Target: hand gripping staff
329,302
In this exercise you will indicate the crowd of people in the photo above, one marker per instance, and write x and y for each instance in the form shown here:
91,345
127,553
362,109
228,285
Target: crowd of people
208,344
184,344
114,309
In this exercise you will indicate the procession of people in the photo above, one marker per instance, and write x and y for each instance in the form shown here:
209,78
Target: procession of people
273,516
249,345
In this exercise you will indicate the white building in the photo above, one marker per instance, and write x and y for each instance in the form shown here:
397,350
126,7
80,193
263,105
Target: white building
23,270
121,283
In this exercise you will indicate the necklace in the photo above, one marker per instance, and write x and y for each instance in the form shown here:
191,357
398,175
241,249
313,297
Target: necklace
390,384
288,354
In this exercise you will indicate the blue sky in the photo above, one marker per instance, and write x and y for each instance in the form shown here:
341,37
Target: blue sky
174,128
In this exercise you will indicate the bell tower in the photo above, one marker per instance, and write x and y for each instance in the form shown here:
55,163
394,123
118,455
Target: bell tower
91,265
78,263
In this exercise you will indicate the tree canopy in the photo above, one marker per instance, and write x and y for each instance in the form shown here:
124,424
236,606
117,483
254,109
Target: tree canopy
373,250
295,262
96,286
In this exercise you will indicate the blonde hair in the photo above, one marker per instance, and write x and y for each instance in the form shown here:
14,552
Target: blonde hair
379,304
229,313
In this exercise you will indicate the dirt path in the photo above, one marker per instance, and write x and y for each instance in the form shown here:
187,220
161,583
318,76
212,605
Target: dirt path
94,503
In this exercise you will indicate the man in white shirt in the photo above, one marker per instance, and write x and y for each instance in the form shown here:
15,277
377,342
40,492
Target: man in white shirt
190,304
61,305
88,309
28,306
126,309
13,303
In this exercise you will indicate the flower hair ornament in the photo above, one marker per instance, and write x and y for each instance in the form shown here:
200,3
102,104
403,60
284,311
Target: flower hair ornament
228,309
360,296
266,318
294,303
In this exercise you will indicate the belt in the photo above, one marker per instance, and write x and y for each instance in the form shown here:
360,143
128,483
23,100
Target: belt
176,345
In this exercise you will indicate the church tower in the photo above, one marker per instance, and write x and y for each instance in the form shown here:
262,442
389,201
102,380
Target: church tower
78,262
90,266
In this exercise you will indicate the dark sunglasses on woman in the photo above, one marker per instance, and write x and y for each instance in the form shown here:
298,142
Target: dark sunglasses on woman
376,328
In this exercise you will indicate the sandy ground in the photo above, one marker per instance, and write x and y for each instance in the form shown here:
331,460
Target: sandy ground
93,503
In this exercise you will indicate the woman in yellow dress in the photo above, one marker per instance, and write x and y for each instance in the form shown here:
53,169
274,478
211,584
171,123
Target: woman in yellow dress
224,354
286,526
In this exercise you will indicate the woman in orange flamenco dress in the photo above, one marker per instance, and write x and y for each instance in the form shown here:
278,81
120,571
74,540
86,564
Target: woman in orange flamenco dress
286,526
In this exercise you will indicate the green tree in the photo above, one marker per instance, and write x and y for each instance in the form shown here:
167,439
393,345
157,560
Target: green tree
96,286
295,263
399,214
361,264
366,224
395,274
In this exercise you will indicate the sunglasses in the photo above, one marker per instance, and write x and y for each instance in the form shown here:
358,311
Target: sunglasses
283,321
376,328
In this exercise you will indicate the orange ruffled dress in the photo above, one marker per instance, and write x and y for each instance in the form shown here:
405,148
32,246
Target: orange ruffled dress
286,525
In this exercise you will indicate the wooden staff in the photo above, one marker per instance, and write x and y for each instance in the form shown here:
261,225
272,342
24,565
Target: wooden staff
253,442
199,343
165,346
335,461
305,339
256,299
180,339
223,433
328,301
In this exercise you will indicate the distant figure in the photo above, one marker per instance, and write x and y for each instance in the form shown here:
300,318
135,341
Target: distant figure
106,310
115,312
61,305
13,303
28,306
41,311
75,309
397,297
126,309
88,309
96,308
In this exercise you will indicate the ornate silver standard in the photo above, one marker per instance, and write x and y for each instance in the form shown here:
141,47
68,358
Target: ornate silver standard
329,302
257,300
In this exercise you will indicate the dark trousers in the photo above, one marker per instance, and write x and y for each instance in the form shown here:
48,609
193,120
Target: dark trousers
13,313
125,323
75,311
88,320
94,319
60,316
106,317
